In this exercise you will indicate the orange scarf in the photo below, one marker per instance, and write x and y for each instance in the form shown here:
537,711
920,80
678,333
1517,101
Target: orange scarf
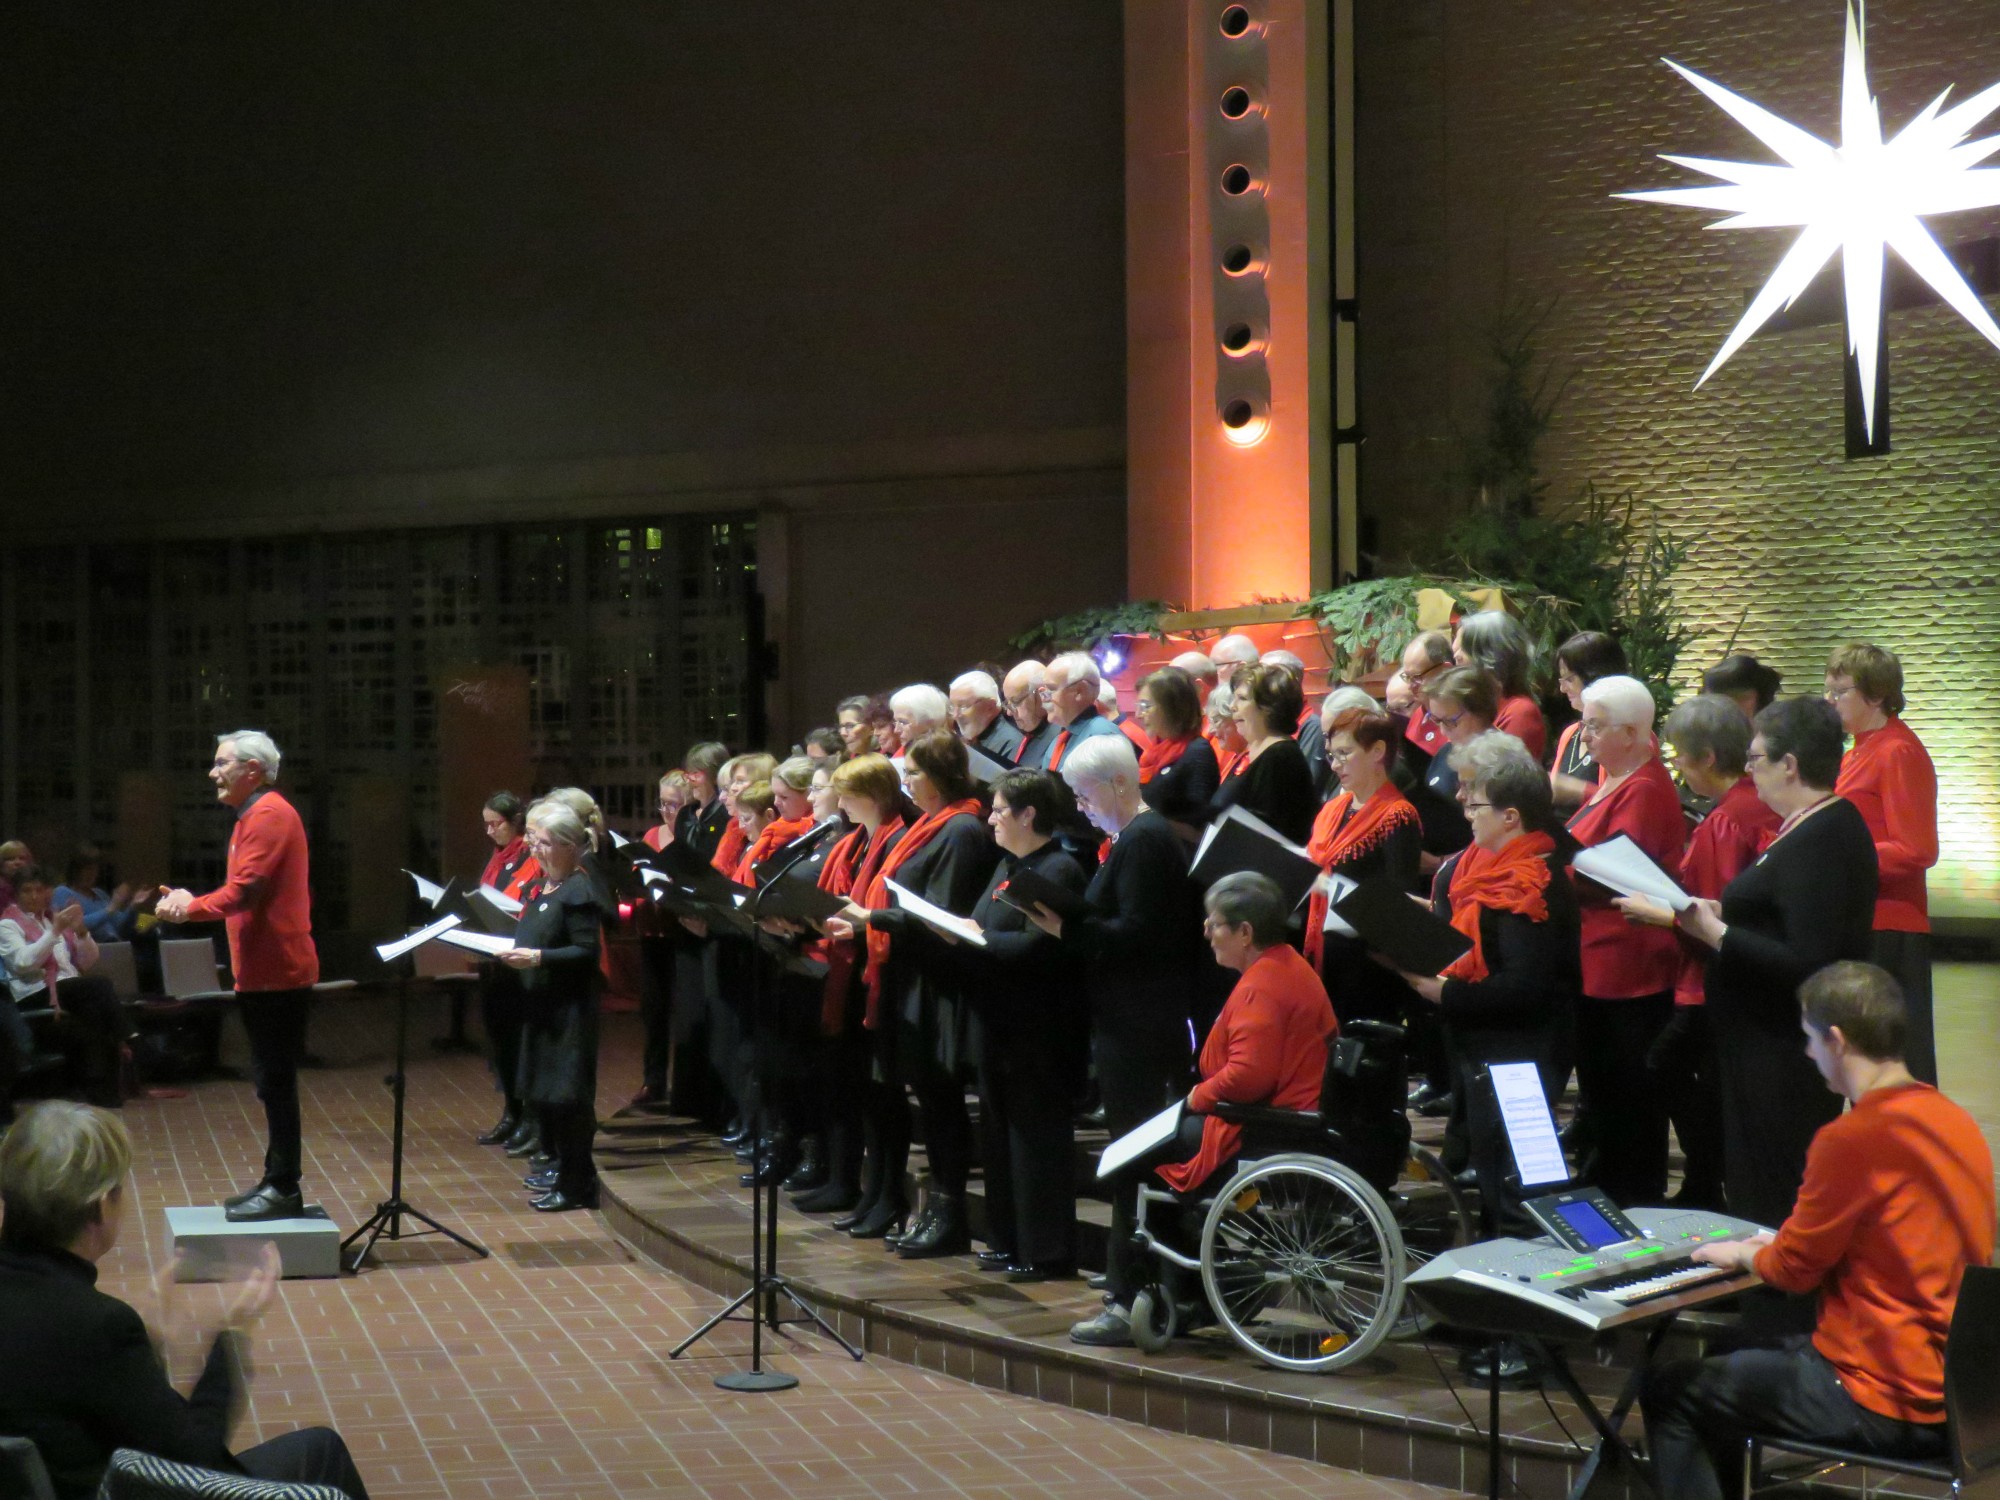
1157,756
1334,843
849,868
875,895
780,833
729,853
1515,880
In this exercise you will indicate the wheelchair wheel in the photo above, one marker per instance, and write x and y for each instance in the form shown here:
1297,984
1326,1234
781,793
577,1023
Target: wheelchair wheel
1433,1216
1302,1263
1155,1319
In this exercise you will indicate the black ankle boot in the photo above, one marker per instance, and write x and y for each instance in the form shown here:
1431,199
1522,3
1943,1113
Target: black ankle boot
772,1165
942,1233
832,1197
917,1225
888,1213
503,1129
811,1171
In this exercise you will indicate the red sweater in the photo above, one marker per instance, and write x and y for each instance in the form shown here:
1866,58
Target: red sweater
1622,960
1267,1047
1897,1201
1887,775
265,903
1737,829
1522,717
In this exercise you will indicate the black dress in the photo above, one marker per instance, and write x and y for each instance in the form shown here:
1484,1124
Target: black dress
1360,988
559,1032
1181,792
1806,902
1277,787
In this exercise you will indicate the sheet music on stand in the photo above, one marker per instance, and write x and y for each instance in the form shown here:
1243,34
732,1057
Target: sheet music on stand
1135,1143
1531,1129
428,891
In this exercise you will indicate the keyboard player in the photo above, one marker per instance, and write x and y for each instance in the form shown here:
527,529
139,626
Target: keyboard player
1898,1199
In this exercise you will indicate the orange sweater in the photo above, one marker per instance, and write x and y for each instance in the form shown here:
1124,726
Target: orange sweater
1887,775
1897,1201
266,902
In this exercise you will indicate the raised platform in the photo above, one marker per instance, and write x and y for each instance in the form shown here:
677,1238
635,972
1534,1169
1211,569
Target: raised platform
208,1247
1404,1414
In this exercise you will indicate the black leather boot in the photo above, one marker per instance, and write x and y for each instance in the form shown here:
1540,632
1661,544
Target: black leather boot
811,1172
917,1225
942,1233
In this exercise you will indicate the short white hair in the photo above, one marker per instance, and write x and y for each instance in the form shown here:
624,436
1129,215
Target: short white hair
980,684
1626,699
925,705
255,745
1196,664
1285,659
1234,650
560,822
1344,700
1107,695
1077,666
1220,707
1105,759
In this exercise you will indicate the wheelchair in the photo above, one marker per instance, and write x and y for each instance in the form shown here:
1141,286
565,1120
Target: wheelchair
1303,1252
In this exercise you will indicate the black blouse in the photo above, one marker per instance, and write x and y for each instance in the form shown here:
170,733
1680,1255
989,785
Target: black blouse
1180,793
1278,787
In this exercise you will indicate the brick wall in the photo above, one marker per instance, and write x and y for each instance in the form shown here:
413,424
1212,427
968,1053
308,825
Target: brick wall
1494,134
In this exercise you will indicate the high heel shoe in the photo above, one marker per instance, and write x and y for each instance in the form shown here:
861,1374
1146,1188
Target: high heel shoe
890,1213
834,1197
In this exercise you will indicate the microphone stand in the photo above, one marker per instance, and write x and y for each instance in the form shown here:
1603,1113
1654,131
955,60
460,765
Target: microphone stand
765,1282
391,1211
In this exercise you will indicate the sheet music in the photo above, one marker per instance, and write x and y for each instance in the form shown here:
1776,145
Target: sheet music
389,952
1257,825
1624,866
479,942
1133,1144
618,840
650,876
1337,888
963,928
502,900
984,767
429,891
1531,1129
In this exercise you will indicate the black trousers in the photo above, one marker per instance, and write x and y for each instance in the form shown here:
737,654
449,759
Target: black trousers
1613,1040
1699,1411
568,1130
1683,1066
276,1023
656,1011
1141,1068
947,1127
500,1012
1907,955
1027,1144
312,1455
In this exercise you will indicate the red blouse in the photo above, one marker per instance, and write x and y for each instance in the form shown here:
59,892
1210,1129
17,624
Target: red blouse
1737,829
1522,717
1888,776
1622,960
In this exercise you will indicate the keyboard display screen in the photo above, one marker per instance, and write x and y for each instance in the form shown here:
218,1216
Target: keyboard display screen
1591,1227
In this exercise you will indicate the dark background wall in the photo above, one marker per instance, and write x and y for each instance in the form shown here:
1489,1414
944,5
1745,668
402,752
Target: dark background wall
1492,139
298,267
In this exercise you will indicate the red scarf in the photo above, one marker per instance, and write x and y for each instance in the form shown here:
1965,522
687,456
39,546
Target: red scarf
875,894
850,867
778,834
1515,880
1335,843
1157,756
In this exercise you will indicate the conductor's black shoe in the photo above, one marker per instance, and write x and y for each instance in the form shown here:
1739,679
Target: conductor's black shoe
558,1202
266,1203
540,1181
502,1131
1045,1270
237,1200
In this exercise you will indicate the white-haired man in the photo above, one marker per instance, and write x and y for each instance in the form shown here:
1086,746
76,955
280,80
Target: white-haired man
1198,666
918,709
265,903
1023,693
975,709
1231,652
1069,692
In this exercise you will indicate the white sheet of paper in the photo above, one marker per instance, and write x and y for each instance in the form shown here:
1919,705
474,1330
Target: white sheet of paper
963,928
618,840
650,876
1337,888
1257,825
1623,865
502,900
1134,1144
488,943
429,890
388,952
1531,1130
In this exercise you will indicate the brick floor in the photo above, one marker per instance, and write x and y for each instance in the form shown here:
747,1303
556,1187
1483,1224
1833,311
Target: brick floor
542,1370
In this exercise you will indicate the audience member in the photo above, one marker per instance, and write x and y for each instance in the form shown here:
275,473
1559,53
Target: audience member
109,916
45,954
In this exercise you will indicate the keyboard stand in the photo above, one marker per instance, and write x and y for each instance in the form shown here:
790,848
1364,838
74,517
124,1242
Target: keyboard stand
1610,1440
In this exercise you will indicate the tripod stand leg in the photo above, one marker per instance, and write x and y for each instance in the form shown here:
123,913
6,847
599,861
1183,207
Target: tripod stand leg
779,1284
373,1227
709,1327
436,1228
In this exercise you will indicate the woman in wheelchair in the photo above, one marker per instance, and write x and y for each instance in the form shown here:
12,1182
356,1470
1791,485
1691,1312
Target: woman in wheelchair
1268,1047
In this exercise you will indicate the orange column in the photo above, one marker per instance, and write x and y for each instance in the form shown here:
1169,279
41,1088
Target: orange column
1229,438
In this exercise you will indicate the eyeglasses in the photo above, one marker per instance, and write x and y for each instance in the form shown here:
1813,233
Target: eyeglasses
1595,727
1470,806
1450,722
1755,756
1835,694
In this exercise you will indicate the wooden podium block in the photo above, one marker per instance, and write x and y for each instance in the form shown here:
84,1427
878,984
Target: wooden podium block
213,1249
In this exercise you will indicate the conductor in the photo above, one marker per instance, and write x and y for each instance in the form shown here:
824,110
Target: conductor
265,903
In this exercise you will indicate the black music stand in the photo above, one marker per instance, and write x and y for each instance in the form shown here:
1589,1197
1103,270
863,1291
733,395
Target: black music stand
765,1282
391,1211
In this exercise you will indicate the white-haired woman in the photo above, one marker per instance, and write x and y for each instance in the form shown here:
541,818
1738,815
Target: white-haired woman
556,944
1628,971
1140,944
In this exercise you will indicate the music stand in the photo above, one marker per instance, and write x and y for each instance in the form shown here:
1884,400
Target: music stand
765,1282
391,1211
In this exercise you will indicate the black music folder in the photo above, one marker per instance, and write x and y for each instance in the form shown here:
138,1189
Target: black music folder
1243,841
1024,888
1414,938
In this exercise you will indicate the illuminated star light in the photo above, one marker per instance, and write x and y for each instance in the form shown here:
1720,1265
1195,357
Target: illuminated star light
1865,194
